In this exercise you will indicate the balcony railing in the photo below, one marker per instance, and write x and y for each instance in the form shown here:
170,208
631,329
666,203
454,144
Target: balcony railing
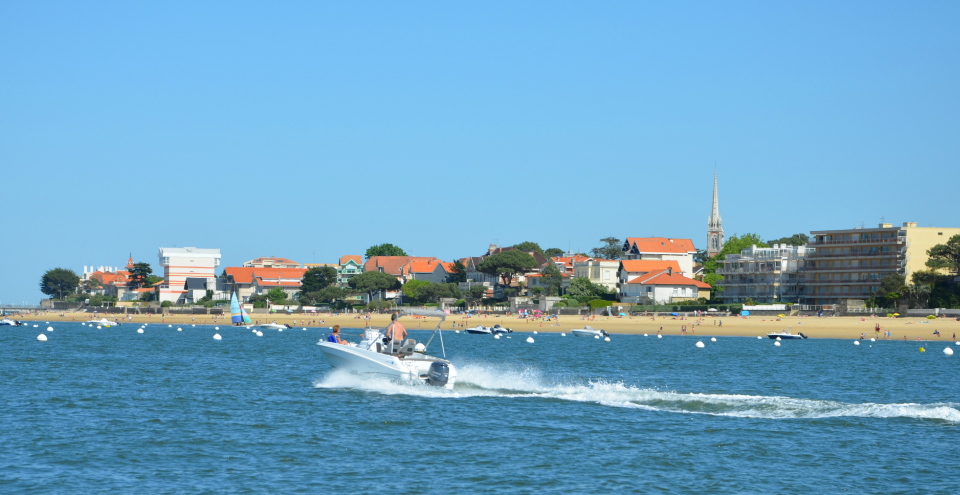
843,282
814,242
857,255
746,270
849,268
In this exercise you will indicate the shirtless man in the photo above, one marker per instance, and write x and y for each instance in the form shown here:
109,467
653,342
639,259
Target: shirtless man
396,331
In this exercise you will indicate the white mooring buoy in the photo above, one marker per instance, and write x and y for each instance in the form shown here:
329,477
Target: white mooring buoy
564,335
759,337
778,339
606,339
856,342
217,336
776,344
216,328
659,336
456,331
496,336
596,336
529,340
948,351
49,329
700,344
873,339
179,329
98,327
259,333
713,339
42,337
139,330
534,332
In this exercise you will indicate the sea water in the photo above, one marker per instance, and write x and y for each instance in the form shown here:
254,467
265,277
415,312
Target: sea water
111,410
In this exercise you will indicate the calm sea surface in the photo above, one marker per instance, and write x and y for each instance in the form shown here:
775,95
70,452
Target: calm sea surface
164,411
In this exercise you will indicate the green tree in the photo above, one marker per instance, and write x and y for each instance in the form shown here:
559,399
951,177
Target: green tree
459,272
477,292
945,256
413,289
551,278
584,291
528,246
138,275
552,252
507,264
890,288
58,282
374,282
153,280
277,295
611,249
328,294
701,257
386,249
317,279
258,300
794,240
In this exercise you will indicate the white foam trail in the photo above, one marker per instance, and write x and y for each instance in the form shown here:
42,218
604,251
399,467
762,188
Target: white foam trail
484,380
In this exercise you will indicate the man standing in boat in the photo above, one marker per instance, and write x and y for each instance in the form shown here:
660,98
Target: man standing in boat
395,332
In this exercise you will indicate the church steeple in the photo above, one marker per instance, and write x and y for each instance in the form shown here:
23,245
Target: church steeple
714,224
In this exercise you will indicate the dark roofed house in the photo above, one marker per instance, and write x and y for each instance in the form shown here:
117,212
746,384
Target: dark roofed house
196,288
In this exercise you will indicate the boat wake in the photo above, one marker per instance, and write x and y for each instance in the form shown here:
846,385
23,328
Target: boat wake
479,380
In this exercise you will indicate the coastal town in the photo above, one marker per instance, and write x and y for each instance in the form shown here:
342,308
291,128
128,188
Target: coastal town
887,270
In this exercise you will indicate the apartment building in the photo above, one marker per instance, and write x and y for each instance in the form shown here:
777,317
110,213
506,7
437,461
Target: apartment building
849,264
770,274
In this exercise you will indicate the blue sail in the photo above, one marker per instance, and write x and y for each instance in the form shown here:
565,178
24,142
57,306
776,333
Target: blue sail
236,312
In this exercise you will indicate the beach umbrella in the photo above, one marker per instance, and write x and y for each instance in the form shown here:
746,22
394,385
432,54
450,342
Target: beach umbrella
712,310
623,314
745,313
674,314
781,316
896,314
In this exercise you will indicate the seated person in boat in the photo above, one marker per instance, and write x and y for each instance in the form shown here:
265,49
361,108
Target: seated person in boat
335,336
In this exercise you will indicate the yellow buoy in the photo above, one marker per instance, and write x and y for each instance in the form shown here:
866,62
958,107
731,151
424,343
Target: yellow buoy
923,350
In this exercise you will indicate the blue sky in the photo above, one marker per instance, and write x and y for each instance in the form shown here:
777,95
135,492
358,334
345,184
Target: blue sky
303,128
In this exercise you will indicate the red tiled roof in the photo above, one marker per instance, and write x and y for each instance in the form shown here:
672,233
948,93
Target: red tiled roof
650,265
246,274
664,277
356,258
448,267
425,266
661,245
392,264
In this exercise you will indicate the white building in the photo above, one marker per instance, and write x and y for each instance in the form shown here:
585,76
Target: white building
663,287
598,271
771,274
661,248
179,264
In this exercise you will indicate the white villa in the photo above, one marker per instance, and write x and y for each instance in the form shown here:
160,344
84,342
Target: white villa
661,248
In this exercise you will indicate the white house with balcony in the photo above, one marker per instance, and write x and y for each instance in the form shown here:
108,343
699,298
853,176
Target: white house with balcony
179,264
661,248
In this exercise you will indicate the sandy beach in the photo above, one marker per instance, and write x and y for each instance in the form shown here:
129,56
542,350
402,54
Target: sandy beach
831,327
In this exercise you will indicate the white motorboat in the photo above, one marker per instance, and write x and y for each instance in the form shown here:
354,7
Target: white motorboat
480,330
104,323
405,361
274,326
7,322
495,330
589,331
786,335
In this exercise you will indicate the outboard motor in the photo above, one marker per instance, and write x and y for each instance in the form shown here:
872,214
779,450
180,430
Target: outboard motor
604,332
439,374
802,335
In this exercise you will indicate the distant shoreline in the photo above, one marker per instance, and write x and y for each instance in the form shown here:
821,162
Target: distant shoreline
830,327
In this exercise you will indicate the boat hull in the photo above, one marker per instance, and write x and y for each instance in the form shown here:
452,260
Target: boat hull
586,333
361,361
774,336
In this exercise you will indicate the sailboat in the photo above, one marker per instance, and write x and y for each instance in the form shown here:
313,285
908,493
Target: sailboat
237,314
